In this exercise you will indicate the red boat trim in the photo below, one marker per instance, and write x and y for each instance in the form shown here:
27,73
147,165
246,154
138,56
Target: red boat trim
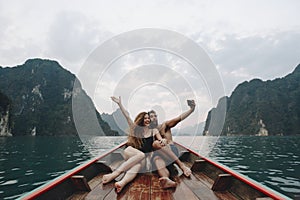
44,188
241,177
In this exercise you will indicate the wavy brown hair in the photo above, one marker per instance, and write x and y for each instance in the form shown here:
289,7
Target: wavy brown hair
136,131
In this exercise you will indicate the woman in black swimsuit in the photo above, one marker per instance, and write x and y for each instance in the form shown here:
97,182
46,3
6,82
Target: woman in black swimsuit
139,145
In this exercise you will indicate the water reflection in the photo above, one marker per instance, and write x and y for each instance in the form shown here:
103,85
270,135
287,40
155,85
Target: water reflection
99,145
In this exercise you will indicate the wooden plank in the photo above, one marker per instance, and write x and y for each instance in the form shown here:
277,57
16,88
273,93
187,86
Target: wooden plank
100,191
157,192
183,191
223,182
78,196
199,188
204,179
96,181
140,188
225,195
80,183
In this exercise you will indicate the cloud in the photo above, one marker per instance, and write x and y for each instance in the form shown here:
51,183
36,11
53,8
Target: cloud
257,56
72,36
245,39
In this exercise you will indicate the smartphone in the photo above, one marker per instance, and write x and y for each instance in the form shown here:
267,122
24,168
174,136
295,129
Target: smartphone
190,102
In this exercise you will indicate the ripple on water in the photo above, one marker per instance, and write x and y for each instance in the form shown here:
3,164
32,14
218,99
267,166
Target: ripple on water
58,173
10,182
12,197
39,183
242,167
290,189
290,170
28,173
23,185
287,181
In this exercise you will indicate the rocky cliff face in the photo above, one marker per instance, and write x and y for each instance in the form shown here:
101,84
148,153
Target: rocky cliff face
41,99
261,108
5,124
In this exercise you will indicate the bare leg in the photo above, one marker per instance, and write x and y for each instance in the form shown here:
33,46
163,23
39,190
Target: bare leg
164,180
168,153
129,176
132,157
161,167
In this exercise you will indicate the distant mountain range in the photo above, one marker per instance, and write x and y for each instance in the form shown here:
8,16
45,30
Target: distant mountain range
259,108
36,99
116,121
195,130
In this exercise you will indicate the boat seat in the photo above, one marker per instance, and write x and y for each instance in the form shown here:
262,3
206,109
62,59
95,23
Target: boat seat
222,183
80,183
198,165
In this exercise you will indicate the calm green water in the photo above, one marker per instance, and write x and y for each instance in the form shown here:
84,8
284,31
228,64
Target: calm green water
28,162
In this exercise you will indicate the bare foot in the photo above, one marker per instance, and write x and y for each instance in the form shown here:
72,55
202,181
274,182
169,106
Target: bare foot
119,186
186,171
108,178
165,183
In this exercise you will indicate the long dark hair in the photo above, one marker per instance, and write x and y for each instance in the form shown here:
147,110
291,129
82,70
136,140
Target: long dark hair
136,132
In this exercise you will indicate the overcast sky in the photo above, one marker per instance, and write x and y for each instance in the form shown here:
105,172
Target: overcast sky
244,39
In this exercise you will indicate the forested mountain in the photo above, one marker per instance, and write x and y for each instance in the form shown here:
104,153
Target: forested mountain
261,108
40,94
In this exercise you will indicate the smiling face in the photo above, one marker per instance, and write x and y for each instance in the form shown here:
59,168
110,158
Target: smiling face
142,119
153,118
146,120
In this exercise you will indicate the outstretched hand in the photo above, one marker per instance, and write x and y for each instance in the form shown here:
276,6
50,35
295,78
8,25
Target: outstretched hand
116,99
191,104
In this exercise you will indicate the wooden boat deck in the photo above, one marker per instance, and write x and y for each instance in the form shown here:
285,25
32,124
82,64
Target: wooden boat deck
146,186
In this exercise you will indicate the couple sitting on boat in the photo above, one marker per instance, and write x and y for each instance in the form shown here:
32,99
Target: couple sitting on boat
148,139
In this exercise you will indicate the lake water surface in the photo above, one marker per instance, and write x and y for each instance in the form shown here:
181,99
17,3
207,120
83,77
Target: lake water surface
28,162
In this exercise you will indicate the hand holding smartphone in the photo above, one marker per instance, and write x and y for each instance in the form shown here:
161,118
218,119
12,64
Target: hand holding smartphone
190,102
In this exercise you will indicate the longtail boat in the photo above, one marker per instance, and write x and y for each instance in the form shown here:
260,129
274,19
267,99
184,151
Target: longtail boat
209,180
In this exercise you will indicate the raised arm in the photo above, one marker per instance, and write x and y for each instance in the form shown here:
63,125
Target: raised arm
173,122
124,111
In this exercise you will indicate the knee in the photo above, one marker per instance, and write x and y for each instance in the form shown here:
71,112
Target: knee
139,166
140,155
158,160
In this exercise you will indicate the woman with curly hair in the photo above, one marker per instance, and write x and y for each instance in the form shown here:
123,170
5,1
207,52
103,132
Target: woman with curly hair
139,145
